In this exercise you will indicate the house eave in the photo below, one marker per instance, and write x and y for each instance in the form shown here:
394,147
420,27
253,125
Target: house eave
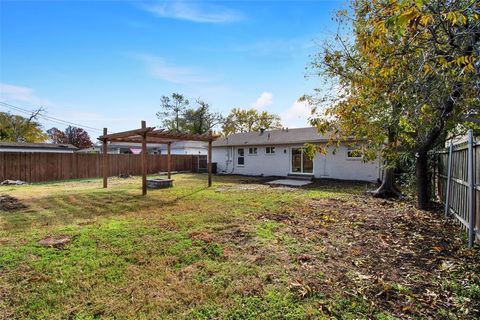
291,143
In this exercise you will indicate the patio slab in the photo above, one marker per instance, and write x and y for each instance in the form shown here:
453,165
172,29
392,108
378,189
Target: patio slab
290,182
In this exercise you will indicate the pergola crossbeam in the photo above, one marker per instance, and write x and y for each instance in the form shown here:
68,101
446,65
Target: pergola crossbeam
139,140
126,134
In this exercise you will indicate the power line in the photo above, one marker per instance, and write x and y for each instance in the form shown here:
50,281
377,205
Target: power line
48,118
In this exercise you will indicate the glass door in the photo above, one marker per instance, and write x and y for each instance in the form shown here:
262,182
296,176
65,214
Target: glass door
297,160
300,162
307,164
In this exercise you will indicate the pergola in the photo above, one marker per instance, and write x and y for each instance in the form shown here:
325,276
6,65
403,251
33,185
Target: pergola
146,135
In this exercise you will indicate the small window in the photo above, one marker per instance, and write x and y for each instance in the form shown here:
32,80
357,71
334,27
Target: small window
354,153
270,150
241,157
252,151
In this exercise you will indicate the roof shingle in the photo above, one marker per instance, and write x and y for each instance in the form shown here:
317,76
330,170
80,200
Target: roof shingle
23,145
273,137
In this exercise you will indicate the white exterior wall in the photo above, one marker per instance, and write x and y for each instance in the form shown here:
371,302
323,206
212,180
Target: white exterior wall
187,150
333,166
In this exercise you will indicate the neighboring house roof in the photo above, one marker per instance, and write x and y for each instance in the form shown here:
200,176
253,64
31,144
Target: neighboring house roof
162,146
88,150
176,144
49,146
273,137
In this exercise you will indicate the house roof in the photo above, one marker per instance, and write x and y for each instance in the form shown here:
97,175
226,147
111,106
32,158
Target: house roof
50,146
273,137
176,144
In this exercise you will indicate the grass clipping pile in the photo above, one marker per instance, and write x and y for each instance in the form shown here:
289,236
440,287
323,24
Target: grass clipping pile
384,256
8,203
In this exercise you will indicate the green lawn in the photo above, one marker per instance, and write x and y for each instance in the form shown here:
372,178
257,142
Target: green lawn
237,250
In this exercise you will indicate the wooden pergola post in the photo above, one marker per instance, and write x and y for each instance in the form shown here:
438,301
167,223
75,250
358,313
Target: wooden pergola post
169,160
210,160
105,159
144,159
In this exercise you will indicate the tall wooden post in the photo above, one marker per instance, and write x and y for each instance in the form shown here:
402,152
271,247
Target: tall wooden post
169,160
144,159
105,159
210,160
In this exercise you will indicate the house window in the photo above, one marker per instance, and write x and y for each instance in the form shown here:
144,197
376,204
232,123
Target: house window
354,153
269,150
241,157
252,151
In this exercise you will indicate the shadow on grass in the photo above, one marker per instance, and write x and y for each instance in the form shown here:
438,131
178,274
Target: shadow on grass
70,207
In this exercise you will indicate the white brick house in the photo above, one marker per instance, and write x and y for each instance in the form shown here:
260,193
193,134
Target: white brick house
279,153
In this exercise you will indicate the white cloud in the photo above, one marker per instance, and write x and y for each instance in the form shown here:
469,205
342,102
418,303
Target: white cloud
297,115
192,11
158,68
14,93
265,99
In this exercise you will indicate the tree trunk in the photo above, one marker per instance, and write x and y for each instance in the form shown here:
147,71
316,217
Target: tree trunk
387,189
421,166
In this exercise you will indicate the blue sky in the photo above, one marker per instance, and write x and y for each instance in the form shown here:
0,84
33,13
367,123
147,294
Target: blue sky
107,63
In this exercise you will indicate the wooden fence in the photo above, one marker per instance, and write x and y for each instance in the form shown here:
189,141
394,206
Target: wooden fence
42,167
459,185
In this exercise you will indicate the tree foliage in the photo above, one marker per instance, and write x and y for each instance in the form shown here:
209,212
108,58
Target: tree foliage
173,110
201,119
56,135
15,128
247,120
72,135
405,80
177,115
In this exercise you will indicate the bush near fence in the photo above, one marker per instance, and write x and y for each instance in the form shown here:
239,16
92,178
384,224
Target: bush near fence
43,167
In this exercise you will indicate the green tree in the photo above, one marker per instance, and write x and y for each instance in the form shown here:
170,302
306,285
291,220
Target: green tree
247,120
201,119
406,79
16,128
173,110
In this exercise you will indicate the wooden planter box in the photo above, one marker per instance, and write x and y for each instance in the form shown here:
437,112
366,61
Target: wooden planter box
159,183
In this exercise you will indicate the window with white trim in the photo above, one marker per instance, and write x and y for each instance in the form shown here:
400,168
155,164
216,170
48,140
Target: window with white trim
241,157
252,151
270,150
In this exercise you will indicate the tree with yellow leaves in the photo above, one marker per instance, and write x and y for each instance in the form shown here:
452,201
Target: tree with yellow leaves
405,80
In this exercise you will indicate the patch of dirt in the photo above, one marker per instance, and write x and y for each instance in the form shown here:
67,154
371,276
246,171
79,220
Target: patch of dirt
8,203
55,241
338,184
202,236
234,234
396,257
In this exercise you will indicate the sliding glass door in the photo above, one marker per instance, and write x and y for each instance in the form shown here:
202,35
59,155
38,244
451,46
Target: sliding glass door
300,162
